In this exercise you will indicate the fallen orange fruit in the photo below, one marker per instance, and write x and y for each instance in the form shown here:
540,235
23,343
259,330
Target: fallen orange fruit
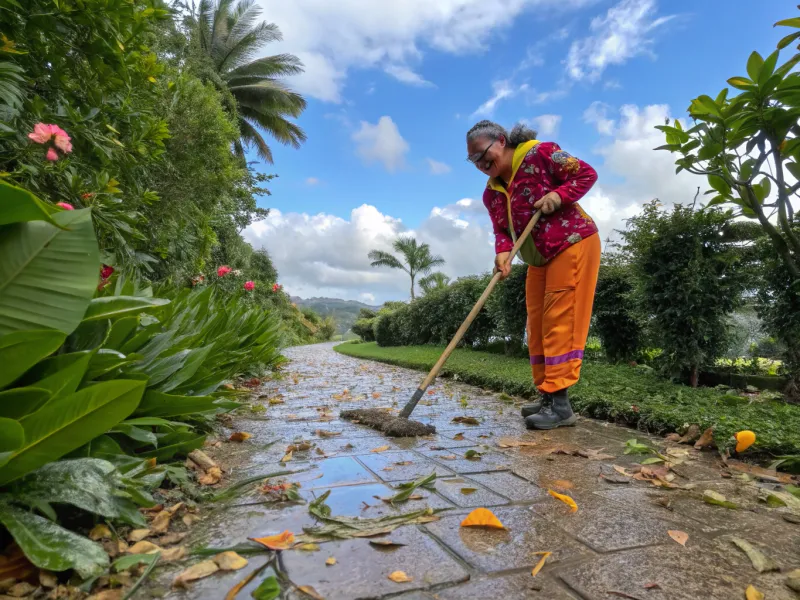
482,517
744,439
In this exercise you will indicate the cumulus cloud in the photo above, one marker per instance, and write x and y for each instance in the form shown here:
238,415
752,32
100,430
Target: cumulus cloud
438,168
597,115
406,75
546,125
624,32
381,142
502,89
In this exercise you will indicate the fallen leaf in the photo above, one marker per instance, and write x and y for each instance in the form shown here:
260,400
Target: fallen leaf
239,436
160,522
277,400
458,437
506,442
431,392
198,571
673,437
137,535
175,508
400,577
752,593
188,520
540,564
331,561
468,491
717,499
654,460
327,434
472,455
230,561
24,588
310,591
99,532
776,498
380,449
268,589
466,420
482,517
287,457
376,395
595,454
172,538
691,435
143,547
793,580
706,439
281,541
448,456
679,536
173,554
761,562
562,484
404,463
769,475
385,543
565,499
212,476
48,579
652,586
621,471
307,547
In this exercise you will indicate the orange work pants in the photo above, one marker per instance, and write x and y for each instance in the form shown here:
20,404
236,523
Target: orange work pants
559,297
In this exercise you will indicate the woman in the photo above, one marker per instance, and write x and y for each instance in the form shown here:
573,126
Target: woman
563,253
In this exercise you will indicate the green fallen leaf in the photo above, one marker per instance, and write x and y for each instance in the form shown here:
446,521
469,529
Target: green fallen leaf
468,491
269,589
472,455
652,460
633,446
717,499
408,488
761,563
776,499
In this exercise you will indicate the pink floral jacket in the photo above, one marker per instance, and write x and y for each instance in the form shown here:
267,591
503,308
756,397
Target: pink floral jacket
539,168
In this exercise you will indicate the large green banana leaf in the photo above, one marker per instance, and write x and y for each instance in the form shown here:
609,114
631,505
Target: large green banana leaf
21,350
12,436
18,206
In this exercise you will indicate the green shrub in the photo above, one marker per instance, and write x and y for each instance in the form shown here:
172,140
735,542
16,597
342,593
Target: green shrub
508,311
615,321
364,325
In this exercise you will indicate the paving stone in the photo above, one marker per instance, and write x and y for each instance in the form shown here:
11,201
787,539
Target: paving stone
230,526
329,472
488,461
509,587
681,574
361,570
607,526
349,446
476,494
545,472
386,465
355,500
513,548
509,485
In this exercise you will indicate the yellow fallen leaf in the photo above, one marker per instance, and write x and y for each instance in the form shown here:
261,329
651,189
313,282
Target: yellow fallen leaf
282,541
211,477
540,564
239,436
277,400
514,443
565,499
380,449
331,561
198,571
287,457
100,532
230,561
752,593
482,517
679,536
136,535
160,522
307,547
400,577
173,554
143,547
310,591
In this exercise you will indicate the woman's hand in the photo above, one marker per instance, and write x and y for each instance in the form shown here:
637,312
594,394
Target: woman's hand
502,264
549,203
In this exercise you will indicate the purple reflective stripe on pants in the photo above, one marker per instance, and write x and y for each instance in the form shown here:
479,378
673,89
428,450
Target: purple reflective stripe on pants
538,359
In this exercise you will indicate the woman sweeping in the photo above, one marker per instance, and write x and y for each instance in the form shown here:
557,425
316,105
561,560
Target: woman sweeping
562,253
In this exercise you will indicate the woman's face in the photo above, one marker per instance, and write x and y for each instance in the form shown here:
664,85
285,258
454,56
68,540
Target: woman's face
487,155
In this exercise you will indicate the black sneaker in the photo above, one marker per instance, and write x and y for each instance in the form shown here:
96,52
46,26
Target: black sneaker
535,407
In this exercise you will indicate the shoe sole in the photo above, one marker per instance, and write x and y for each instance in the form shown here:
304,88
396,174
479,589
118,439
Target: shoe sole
570,422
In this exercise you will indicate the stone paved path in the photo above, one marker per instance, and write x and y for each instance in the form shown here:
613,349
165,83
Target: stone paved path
616,542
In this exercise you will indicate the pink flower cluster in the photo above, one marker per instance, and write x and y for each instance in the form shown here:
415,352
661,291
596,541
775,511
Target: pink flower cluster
249,285
105,272
277,288
225,269
44,133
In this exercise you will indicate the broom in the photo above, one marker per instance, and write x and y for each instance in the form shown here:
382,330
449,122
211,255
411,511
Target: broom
402,426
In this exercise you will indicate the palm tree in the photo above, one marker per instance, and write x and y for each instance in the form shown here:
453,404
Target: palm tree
228,34
418,259
434,281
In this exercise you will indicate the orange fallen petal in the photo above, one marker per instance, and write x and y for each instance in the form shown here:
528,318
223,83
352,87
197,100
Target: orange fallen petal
540,564
565,499
282,541
482,517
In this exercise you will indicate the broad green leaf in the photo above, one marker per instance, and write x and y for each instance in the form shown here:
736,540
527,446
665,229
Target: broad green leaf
762,189
269,589
48,275
114,307
705,105
21,350
66,379
136,433
19,206
747,169
788,40
794,22
105,361
126,562
180,442
194,359
91,484
68,422
153,422
754,65
15,403
794,169
719,184
741,83
159,404
120,330
767,69
12,436
670,147
162,369
51,547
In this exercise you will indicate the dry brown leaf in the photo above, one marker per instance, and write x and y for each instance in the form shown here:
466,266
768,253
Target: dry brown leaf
282,541
189,519
310,591
172,538
448,457
173,554
100,532
468,491
404,463
540,564
400,577
376,395
175,508
761,473
212,476
331,561
380,449
47,579
652,586
115,594
673,437
144,547
195,572
137,535
752,593
287,457
20,589
621,471
458,437
230,561
679,536
160,522
507,442
239,436
466,420
595,454
327,434
706,439
691,435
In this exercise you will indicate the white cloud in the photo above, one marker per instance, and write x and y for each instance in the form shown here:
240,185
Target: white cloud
381,142
333,37
623,33
438,168
597,115
332,260
502,89
406,75
312,181
546,125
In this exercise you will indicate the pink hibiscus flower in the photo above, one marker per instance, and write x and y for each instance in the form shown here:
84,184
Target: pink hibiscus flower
249,286
223,270
43,133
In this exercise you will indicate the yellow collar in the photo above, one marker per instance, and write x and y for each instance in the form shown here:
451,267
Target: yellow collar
519,154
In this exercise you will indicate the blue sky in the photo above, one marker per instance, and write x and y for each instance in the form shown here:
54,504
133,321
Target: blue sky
391,89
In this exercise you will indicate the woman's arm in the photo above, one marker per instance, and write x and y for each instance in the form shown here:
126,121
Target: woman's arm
576,177
495,204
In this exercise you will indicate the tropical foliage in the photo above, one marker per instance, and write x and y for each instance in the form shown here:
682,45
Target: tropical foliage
418,259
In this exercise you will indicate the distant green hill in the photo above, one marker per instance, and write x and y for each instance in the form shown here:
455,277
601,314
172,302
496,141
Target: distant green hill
344,311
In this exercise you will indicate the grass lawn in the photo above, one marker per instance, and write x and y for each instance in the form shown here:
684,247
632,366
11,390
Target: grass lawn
617,393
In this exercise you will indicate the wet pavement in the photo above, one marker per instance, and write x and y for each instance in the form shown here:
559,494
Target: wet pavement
615,545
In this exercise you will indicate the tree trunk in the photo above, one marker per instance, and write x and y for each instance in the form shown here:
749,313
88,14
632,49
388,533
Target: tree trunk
412,288
693,376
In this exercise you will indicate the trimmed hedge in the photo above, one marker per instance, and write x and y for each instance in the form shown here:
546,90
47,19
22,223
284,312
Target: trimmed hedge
618,393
